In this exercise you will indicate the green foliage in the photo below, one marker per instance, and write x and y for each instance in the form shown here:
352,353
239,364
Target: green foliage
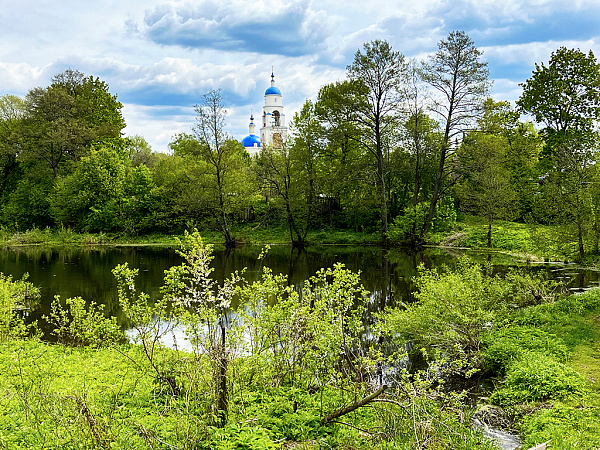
407,227
486,188
536,377
571,77
566,426
505,347
457,72
309,335
15,297
452,310
90,197
83,325
26,206
240,437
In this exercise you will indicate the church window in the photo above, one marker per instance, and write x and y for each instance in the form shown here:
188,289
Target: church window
276,118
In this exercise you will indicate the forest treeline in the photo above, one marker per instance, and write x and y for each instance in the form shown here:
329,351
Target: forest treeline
399,147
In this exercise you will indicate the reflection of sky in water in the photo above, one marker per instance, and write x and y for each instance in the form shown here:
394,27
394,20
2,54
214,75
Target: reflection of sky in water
173,338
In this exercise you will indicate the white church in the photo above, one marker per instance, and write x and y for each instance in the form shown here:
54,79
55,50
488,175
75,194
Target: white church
273,131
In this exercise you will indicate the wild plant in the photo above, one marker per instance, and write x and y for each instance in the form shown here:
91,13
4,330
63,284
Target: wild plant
78,324
16,297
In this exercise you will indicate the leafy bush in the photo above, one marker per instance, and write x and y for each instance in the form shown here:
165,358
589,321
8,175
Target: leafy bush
240,437
537,377
82,325
566,426
407,226
453,309
507,346
15,296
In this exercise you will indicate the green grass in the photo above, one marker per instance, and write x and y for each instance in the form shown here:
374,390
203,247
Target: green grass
556,399
244,235
531,241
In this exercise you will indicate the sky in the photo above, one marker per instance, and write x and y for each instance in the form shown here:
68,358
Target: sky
160,56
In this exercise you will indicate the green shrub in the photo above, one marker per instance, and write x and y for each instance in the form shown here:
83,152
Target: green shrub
537,377
567,427
240,437
15,296
504,347
407,227
452,311
82,325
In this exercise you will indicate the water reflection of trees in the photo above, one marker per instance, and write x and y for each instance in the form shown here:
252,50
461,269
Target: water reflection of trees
387,275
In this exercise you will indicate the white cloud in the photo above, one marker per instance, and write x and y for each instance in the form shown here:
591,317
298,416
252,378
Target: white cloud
534,52
309,44
157,124
20,77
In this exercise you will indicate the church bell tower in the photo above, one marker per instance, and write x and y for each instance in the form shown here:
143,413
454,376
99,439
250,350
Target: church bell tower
274,131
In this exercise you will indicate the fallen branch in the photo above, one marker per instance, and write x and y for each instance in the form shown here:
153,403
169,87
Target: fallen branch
340,412
352,426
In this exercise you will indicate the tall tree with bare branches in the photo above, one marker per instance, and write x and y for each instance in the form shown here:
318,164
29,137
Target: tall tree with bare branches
381,70
458,74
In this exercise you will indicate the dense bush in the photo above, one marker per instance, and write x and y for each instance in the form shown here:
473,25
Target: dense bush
567,427
455,307
407,227
15,298
535,377
506,347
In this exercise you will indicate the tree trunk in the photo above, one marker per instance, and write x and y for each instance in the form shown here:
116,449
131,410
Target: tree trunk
222,392
368,399
436,193
489,235
382,196
580,236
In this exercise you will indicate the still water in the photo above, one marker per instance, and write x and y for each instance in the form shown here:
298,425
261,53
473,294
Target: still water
388,275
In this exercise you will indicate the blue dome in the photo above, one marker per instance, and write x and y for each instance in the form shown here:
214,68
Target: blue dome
273,91
250,140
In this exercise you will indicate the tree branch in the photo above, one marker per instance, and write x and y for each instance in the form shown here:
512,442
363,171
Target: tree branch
348,409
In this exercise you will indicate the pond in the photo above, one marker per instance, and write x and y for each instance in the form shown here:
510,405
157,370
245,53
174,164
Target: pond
387,275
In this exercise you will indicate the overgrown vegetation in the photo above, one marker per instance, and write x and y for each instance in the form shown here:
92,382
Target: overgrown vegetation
297,366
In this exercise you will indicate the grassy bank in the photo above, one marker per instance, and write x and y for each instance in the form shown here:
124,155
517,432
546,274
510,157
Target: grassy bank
529,241
67,237
536,242
549,360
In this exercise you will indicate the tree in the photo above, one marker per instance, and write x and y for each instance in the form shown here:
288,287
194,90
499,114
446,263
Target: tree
418,129
140,152
461,78
306,148
66,118
290,172
274,171
486,189
224,159
345,168
178,196
12,112
91,197
565,97
184,144
381,70
522,145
